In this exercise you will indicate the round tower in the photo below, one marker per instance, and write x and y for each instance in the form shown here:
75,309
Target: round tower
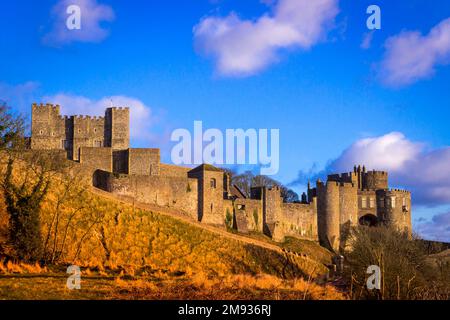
348,204
328,215
398,210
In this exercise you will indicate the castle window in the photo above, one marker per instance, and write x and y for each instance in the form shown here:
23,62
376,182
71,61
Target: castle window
79,130
372,203
98,143
393,202
95,130
41,132
363,202
53,134
213,183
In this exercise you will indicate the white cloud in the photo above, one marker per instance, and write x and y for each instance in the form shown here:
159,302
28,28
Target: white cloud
411,56
389,152
426,172
93,15
141,116
411,165
245,47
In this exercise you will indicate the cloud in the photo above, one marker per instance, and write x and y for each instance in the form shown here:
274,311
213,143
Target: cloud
245,47
19,96
93,15
367,40
141,116
411,165
411,56
437,229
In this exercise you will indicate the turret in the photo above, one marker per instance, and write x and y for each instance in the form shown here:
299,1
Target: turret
328,211
117,129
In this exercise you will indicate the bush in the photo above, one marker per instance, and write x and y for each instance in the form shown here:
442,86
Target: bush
229,220
406,272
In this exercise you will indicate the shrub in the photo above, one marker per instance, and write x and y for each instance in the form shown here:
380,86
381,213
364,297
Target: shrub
229,220
405,271
255,216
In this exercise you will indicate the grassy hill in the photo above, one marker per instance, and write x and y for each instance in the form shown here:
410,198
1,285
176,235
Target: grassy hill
127,251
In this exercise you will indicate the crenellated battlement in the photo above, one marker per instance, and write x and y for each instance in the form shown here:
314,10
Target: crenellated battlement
45,108
51,130
399,191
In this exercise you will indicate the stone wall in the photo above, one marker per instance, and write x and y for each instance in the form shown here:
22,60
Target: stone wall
252,209
143,162
179,193
96,158
299,220
170,170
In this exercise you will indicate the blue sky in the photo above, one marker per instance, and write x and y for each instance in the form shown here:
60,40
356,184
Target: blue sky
333,95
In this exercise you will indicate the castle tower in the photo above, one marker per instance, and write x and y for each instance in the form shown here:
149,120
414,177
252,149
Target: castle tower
271,198
348,208
395,209
210,194
375,180
328,214
117,129
47,127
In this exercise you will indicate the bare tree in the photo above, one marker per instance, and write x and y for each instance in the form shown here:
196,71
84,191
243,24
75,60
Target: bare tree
247,180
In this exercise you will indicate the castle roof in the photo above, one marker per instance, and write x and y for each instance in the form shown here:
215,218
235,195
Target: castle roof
237,192
206,167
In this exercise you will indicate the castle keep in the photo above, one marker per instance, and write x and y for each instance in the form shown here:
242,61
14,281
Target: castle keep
205,193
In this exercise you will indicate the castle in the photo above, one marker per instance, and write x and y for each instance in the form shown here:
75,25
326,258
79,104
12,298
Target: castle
206,194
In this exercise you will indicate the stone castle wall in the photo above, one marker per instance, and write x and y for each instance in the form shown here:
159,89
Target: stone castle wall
144,162
172,192
96,158
252,210
170,170
299,220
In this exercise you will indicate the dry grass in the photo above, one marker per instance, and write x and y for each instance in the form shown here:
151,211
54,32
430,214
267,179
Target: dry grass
21,268
235,287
